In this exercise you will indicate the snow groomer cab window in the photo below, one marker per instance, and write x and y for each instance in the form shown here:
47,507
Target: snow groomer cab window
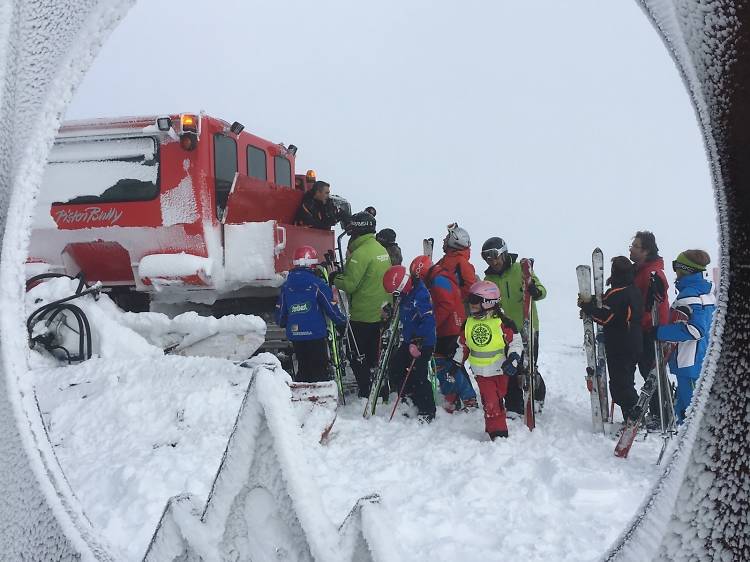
282,169
102,171
225,167
256,163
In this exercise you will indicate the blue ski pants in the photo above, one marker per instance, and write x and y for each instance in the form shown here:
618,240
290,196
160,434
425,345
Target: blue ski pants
454,379
683,397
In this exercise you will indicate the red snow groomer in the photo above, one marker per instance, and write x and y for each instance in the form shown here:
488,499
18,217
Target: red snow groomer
178,208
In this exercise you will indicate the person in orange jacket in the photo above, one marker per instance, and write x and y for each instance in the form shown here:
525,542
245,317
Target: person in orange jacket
457,249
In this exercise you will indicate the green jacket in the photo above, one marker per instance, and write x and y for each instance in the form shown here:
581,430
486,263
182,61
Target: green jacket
362,279
510,283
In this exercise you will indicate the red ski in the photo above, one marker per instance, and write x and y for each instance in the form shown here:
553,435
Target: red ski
527,336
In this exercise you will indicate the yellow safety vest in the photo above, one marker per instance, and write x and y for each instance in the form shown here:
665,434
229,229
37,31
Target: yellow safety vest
484,338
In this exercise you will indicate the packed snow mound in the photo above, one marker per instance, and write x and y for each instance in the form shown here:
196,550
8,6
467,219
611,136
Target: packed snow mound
121,335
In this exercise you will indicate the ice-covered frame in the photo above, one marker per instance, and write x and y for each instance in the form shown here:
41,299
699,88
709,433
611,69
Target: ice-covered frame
697,510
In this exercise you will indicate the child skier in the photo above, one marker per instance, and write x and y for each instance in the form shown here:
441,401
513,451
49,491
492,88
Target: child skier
418,332
448,310
620,315
303,304
696,301
494,354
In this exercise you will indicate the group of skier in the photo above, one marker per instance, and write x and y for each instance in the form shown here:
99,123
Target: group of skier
638,288
447,316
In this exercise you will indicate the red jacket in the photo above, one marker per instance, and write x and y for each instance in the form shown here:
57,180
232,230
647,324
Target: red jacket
642,281
447,305
457,263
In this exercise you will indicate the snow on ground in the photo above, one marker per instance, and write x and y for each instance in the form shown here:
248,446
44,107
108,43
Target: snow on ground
131,433
555,494
135,427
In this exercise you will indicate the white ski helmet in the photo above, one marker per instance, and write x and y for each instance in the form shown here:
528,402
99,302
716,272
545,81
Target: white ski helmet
457,237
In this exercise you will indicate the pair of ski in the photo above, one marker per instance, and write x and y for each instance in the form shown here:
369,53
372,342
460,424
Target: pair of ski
596,359
657,382
335,348
529,345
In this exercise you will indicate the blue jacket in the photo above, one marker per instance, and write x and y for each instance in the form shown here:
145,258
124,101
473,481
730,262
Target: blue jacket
694,297
303,304
415,313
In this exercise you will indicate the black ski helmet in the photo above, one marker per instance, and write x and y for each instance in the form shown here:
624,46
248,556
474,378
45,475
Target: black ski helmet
494,247
361,223
387,237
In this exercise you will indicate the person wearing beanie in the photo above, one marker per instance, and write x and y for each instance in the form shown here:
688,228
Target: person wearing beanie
387,239
620,316
362,281
697,304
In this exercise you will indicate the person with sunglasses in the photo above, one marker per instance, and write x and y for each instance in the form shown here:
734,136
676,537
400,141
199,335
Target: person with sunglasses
644,253
697,302
504,271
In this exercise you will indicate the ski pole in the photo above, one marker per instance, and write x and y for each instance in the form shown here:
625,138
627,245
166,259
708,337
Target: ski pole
403,386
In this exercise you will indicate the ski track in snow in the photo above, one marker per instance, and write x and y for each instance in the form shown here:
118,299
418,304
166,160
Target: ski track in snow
131,433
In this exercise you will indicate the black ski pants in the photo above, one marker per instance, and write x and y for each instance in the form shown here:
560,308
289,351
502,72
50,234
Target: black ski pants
418,387
367,336
312,360
646,362
622,381
514,396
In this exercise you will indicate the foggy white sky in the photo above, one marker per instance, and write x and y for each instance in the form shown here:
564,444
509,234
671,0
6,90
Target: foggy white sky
558,125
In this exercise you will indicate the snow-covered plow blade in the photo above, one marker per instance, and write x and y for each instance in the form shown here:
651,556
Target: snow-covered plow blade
264,503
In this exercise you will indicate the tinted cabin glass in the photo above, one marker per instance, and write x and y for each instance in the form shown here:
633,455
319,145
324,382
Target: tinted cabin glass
101,171
256,163
283,171
225,167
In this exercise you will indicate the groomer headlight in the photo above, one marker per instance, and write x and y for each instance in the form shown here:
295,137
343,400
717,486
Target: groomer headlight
163,123
237,127
292,149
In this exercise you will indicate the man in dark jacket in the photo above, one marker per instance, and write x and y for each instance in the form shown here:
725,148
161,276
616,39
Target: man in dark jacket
317,210
303,305
387,239
620,315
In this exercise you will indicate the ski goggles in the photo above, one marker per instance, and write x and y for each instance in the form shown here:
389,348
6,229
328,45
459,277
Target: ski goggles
493,253
478,299
683,267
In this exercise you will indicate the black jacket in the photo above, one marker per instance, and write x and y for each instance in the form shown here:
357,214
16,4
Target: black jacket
620,315
313,213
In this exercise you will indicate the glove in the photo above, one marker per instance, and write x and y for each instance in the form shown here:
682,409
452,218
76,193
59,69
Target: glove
534,291
656,291
414,350
511,364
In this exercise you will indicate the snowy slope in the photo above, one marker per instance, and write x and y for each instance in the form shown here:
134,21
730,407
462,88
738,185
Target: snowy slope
130,434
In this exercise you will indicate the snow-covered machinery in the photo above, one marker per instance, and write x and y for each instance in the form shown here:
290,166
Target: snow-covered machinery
176,208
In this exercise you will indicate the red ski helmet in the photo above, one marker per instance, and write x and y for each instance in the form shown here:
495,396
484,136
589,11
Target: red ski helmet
305,256
397,280
484,293
420,266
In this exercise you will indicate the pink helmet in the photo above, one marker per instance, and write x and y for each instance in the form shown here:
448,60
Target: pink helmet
305,256
484,293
